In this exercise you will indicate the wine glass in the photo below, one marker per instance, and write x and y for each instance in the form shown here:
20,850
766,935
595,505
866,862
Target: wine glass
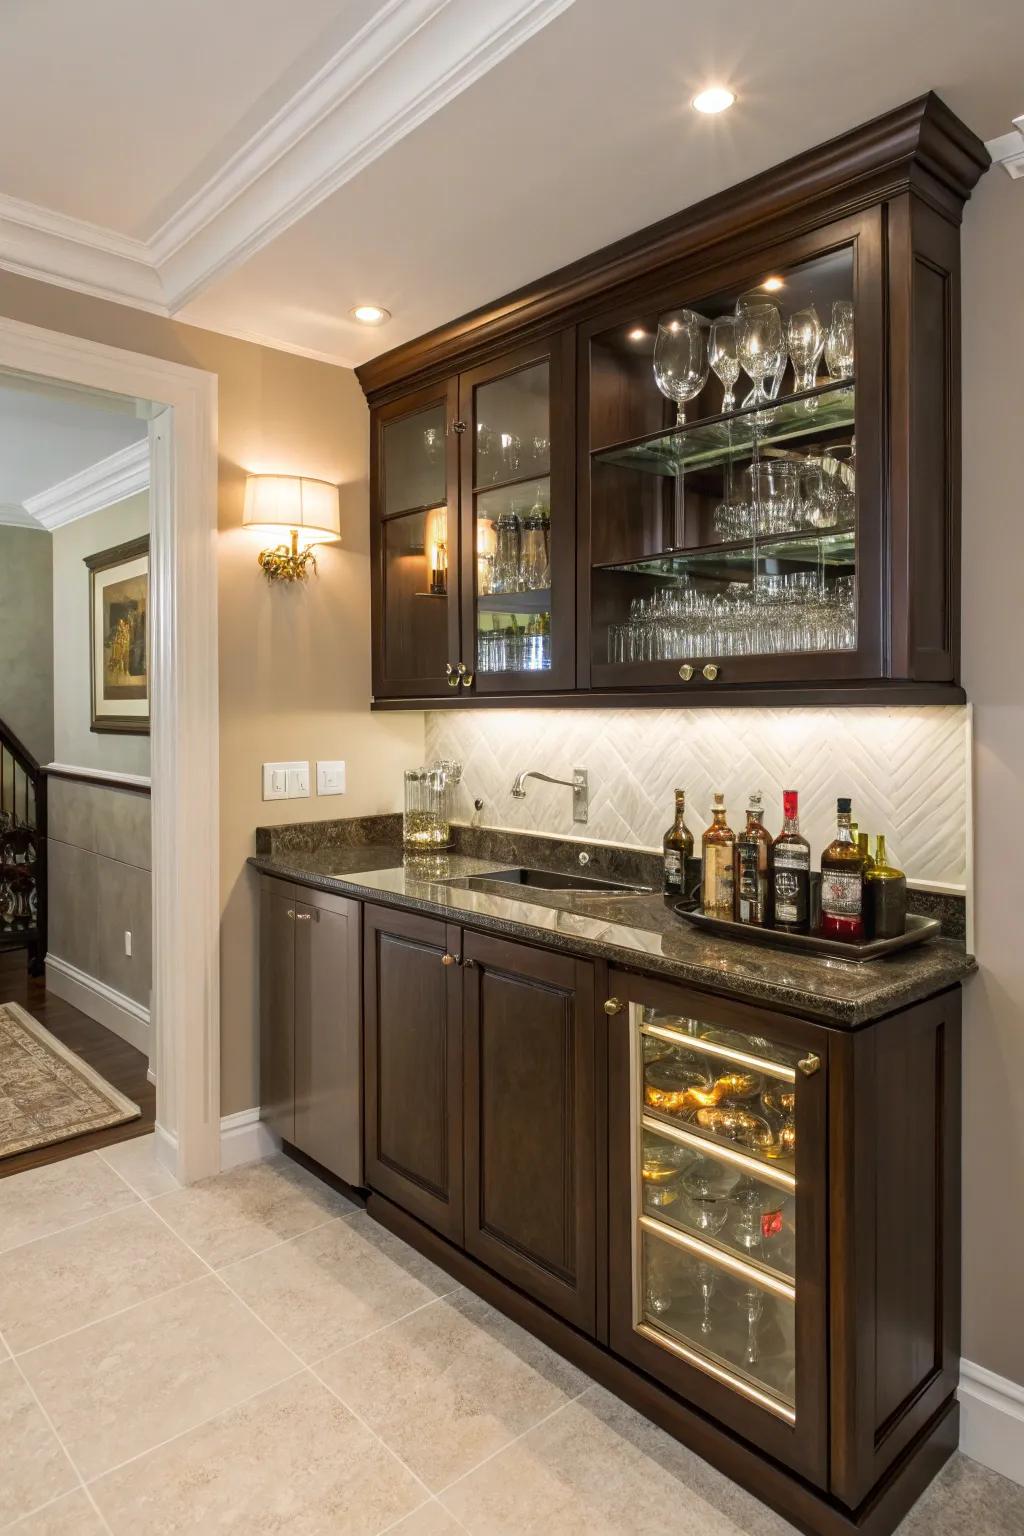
723,359
839,341
805,337
680,359
759,344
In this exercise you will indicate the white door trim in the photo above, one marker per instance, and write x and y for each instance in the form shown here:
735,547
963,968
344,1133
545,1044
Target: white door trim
184,743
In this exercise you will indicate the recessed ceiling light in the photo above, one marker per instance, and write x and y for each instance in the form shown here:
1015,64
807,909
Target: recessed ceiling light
370,314
637,333
717,98
773,284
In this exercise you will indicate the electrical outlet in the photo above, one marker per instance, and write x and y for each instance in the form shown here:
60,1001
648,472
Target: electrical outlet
128,942
285,781
330,778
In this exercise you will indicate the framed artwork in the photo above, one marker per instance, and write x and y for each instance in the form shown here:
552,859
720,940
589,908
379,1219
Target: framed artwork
119,638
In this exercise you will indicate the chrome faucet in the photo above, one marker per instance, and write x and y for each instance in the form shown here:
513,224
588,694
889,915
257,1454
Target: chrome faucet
578,784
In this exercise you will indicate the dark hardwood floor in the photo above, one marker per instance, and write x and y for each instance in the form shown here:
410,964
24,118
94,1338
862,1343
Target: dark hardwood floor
121,1064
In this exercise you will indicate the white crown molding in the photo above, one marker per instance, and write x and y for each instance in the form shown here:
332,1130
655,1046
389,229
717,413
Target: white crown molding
406,63
14,516
992,1420
1008,150
120,475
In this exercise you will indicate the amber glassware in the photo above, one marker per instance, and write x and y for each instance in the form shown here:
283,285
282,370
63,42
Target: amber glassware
885,896
716,863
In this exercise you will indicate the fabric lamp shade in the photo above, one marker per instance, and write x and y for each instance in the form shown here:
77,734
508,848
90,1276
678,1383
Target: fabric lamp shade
310,507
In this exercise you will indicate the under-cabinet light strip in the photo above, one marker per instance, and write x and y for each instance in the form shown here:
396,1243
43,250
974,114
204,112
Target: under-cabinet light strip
692,1357
752,1165
723,1052
717,1256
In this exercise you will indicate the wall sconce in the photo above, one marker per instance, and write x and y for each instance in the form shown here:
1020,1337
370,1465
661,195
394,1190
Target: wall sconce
436,544
307,508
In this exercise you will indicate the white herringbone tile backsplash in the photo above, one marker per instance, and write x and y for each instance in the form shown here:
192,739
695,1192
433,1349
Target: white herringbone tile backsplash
906,770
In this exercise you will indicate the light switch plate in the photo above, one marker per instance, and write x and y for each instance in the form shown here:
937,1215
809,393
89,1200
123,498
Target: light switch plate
285,781
330,778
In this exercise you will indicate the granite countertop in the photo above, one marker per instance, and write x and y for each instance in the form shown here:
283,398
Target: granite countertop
632,929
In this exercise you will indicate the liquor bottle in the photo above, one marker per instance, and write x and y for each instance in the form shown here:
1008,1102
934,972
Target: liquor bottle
677,847
716,860
861,839
885,896
791,871
842,883
751,858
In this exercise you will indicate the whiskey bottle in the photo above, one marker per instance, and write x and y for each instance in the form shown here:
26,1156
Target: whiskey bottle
791,871
677,847
861,839
842,883
751,858
716,863
885,896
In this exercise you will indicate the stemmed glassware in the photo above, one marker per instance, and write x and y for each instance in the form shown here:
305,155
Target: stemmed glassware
806,340
759,343
723,359
839,341
680,359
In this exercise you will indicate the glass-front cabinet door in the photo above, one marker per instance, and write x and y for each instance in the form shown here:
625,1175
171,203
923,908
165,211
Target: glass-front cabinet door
415,535
518,533
735,473
718,1164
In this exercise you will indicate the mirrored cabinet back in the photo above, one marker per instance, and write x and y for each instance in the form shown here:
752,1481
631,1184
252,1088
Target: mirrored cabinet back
719,459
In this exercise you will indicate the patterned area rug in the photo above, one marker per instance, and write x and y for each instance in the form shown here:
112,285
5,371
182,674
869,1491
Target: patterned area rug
47,1093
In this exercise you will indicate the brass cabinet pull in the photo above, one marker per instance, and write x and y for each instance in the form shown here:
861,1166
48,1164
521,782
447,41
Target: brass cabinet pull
451,959
686,671
453,676
448,669
613,1005
458,426
467,681
710,671
810,1064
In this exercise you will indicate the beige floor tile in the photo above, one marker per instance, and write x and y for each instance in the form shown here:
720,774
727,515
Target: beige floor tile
72,1515
125,1385
599,1469
136,1162
293,1460
449,1385
431,1520
33,1468
76,1277
967,1497
238,1213
44,1200
335,1285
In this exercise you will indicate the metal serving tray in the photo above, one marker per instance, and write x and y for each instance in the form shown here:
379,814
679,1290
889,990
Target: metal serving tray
917,931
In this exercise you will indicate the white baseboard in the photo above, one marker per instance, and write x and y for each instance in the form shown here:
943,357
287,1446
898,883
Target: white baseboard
992,1420
245,1138
121,1014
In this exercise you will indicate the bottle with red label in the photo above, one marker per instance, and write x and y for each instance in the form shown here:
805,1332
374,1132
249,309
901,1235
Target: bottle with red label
842,883
791,871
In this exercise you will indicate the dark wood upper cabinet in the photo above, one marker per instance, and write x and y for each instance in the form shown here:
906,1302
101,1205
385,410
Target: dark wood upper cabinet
412,1046
531,1177
799,548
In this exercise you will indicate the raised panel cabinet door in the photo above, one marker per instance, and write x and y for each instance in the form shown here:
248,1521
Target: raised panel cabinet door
530,1121
277,1008
412,1043
328,1058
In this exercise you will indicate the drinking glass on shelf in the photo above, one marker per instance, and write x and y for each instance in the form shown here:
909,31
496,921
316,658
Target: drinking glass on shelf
507,553
805,337
839,341
723,359
680,359
534,572
759,344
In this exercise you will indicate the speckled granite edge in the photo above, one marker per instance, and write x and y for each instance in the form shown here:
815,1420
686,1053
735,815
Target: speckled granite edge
908,978
344,832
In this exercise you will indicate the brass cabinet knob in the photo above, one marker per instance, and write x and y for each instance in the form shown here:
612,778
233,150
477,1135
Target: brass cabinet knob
467,681
710,671
448,669
450,960
453,676
810,1064
469,965
613,1005
686,671
461,668
459,426
291,914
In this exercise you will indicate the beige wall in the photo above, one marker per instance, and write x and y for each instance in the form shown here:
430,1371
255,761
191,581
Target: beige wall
993,657
73,741
26,638
294,663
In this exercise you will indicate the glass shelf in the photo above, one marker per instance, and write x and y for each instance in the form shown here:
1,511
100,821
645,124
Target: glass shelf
734,561
719,439
534,601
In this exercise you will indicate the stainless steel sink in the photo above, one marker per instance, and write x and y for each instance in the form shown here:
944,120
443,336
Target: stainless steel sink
548,880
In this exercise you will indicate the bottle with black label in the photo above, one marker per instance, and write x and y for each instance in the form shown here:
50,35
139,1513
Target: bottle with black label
677,847
750,868
842,883
716,863
791,871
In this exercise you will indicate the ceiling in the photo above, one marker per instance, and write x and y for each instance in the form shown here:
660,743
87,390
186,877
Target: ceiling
50,436
425,155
